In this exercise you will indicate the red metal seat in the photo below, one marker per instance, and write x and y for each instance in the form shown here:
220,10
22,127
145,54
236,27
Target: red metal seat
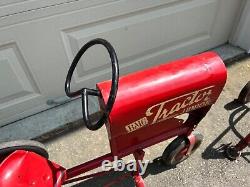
24,168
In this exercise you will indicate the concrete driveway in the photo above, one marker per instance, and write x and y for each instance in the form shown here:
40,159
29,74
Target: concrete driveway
225,123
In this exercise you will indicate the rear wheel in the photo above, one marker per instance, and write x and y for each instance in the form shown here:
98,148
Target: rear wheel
7,148
176,151
244,95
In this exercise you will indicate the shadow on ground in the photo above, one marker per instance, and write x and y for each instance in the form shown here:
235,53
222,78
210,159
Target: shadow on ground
213,152
124,178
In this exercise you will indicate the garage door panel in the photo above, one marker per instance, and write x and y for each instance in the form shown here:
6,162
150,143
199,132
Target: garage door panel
10,2
133,39
17,85
27,10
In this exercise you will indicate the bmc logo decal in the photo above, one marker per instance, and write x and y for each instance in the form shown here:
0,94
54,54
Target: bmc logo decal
173,107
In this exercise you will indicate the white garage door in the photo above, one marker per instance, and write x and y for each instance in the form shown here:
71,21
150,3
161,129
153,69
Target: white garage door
39,38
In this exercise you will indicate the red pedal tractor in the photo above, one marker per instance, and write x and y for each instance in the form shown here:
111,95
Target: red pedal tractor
139,110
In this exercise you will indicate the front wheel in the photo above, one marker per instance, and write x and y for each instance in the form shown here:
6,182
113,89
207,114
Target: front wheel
176,151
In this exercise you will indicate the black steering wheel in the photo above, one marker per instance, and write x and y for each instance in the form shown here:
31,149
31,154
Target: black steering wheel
84,92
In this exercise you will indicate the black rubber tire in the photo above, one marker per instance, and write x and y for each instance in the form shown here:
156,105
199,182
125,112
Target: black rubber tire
169,156
7,148
244,96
